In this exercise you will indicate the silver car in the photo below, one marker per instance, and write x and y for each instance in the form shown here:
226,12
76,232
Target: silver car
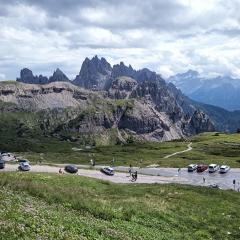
224,169
24,166
108,171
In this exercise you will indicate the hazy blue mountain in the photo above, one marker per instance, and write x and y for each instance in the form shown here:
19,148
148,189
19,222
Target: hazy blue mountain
220,91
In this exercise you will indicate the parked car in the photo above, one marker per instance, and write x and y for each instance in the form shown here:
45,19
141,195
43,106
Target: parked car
71,169
202,168
5,154
2,164
213,168
24,166
224,169
192,167
108,171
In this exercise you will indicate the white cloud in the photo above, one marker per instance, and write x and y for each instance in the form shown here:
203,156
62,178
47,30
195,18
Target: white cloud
2,76
166,36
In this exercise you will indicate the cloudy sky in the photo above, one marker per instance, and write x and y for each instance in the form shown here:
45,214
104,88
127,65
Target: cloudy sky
166,36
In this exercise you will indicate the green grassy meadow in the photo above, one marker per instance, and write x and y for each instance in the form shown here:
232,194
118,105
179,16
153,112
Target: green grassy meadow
51,206
207,148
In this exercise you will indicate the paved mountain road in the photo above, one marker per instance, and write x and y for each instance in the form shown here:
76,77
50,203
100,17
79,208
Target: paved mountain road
148,175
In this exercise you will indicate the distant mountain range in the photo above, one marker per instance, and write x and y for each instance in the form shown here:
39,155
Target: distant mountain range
104,104
220,91
119,102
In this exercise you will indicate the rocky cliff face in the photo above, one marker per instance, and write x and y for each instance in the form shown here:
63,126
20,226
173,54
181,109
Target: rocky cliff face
36,97
122,87
144,111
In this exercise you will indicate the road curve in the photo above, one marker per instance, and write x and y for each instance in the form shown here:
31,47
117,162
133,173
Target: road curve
176,153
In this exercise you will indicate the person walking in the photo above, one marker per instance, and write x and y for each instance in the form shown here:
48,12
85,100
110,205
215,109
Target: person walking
204,179
130,170
136,175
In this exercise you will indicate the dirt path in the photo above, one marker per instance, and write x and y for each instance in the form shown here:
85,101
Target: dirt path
176,153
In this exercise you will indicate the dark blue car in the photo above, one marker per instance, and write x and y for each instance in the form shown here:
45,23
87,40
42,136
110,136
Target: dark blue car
71,169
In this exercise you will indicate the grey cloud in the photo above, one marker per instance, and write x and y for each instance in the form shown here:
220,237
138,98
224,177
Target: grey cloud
158,34
120,14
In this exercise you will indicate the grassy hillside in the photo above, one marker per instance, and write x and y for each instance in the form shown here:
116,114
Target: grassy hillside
21,132
48,206
207,148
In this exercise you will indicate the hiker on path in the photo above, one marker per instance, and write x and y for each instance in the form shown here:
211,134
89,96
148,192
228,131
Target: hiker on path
134,177
92,161
130,170
204,179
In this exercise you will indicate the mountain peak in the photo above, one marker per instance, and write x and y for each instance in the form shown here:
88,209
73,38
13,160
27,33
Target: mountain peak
58,71
94,73
58,76
26,76
192,73
122,70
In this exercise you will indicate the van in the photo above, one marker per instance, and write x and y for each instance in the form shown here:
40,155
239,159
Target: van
213,168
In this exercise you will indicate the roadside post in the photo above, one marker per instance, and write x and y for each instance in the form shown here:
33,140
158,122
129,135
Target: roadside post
234,184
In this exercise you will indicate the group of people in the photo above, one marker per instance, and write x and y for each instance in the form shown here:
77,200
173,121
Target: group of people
132,174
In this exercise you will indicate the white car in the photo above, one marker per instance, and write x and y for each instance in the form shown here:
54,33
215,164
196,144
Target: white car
192,167
213,168
108,170
224,169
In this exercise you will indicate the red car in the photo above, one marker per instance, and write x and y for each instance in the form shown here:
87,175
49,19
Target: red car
202,168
